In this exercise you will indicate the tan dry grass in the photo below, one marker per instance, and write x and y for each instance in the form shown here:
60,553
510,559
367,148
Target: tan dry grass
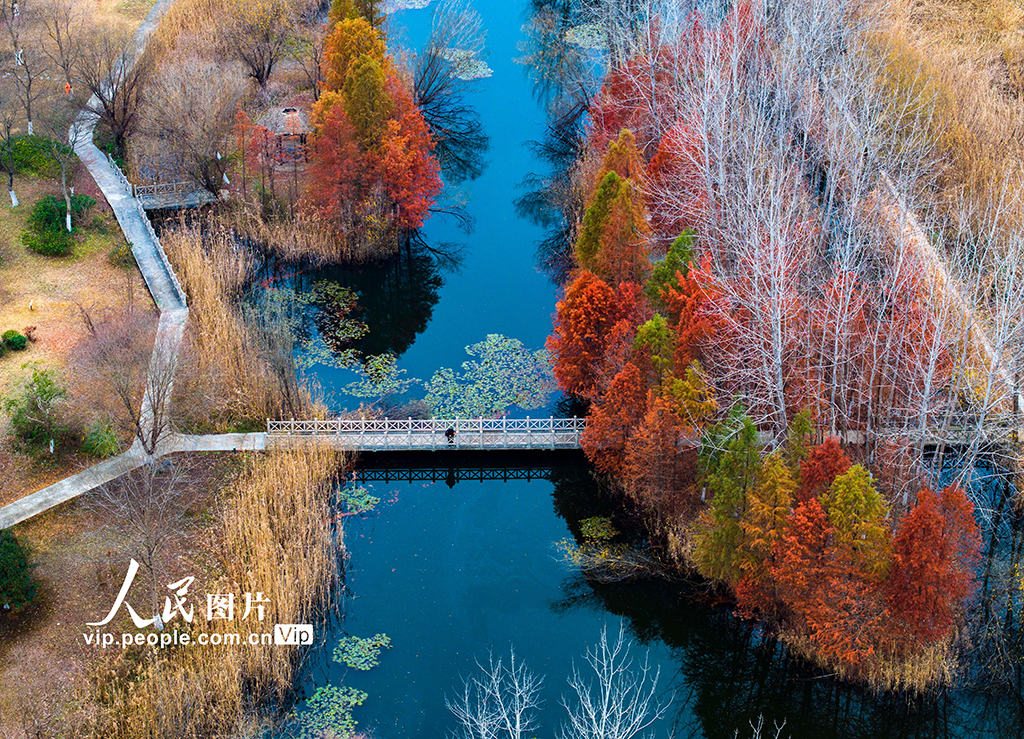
969,58
916,672
235,372
277,535
43,292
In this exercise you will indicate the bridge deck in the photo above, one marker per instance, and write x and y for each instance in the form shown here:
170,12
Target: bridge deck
175,200
368,435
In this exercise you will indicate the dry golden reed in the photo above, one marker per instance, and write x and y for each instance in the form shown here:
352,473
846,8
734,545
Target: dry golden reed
277,535
234,371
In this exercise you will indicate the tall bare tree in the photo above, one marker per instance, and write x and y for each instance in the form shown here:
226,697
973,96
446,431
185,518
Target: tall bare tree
8,120
193,122
62,31
30,64
110,69
257,34
619,701
149,507
500,702
307,50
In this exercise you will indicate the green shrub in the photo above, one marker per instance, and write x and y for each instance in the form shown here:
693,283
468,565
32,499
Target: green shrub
47,234
49,243
100,440
13,340
35,414
17,588
48,213
32,157
121,255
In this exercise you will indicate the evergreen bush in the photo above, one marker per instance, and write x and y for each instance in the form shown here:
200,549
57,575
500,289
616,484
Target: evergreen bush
13,340
17,588
100,440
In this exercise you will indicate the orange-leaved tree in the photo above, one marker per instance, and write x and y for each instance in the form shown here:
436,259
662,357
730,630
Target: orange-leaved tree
824,463
935,549
611,421
582,324
410,171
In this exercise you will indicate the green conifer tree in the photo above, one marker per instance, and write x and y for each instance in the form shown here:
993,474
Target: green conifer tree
367,103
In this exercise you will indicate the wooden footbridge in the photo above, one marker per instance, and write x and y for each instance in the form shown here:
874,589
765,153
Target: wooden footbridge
161,195
373,435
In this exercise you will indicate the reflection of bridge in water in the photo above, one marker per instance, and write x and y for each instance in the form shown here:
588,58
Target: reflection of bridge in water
459,466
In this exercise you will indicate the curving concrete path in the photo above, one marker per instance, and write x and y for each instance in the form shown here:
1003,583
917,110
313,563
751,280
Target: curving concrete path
160,279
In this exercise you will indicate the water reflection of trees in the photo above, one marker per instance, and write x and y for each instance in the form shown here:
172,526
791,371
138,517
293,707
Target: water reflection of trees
564,79
730,672
396,298
439,90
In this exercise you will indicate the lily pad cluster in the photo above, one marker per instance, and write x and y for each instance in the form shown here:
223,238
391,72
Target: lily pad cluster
361,654
504,374
329,710
588,36
357,500
468,66
336,327
381,378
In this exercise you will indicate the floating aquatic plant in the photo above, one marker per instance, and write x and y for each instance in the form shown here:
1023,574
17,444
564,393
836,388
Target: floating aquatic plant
358,500
381,378
361,654
504,374
330,712
588,36
597,528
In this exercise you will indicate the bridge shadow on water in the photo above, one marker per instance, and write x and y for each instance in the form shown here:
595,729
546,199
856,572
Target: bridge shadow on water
456,465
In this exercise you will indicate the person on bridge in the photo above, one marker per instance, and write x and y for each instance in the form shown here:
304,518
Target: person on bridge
450,434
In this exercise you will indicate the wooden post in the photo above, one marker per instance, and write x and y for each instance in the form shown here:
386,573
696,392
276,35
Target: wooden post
551,426
529,434
409,440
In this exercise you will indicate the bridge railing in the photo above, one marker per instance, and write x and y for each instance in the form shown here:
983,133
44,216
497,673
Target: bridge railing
469,433
166,188
133,191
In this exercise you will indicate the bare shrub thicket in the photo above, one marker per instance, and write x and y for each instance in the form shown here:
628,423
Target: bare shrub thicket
616,697
149,510
236,367
113,366
276,536
189,110
110,69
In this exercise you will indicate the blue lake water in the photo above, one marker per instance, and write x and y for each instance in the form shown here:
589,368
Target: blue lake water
452,573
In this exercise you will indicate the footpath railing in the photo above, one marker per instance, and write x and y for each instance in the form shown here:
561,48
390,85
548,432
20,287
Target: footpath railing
440,433
132,191
166,188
